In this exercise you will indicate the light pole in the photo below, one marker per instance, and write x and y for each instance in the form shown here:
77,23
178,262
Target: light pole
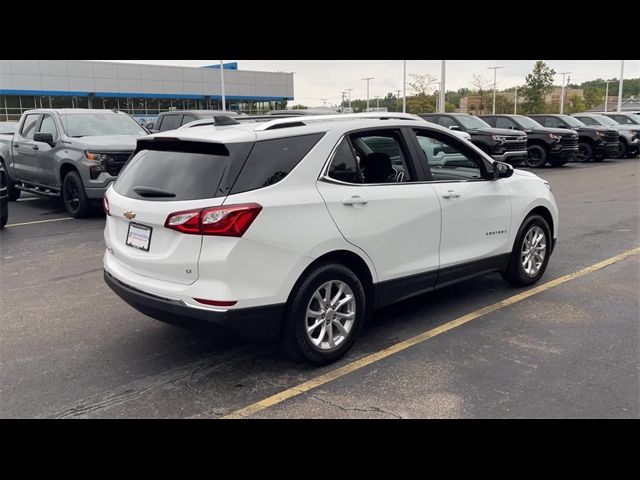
224,108
343,93
515,101
398,101
495,69
620,87
349,90
404,87
606,97
442,100
562,92
367,79
377,97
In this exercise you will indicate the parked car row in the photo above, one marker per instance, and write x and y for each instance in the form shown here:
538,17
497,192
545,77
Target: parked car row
539,139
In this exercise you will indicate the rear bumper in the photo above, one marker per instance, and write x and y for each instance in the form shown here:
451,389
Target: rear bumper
257,322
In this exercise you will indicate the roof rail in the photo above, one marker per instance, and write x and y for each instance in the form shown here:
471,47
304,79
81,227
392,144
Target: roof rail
216,120
298,121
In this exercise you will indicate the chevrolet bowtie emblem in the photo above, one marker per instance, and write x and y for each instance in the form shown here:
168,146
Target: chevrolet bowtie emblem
129,214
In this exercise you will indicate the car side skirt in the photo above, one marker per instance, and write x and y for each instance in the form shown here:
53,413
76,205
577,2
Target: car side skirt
398,289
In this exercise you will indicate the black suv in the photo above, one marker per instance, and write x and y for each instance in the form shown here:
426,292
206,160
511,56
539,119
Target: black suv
554,145
501,144
594,143
176,118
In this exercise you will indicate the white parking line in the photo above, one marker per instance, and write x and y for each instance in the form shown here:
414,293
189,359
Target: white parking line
40,221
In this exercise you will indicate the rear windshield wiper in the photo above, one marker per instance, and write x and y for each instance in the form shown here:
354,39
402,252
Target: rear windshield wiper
152,192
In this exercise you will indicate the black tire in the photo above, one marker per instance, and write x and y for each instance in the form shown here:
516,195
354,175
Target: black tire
558,163
515,273
536,156
294,340
622,149
74,197
585,152
4,213
12,192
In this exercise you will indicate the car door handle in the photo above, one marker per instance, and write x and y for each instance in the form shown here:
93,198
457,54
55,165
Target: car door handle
450,194
16,145
355,200
35,147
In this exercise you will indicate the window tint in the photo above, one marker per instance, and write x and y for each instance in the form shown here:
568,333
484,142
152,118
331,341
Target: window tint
381,156
272,160
447,122
48,125
189,170
502,122
588,120
29,125
186,119
445,160
553,122
344,166
169,122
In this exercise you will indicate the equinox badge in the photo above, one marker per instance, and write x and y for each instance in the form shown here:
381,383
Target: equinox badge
129,215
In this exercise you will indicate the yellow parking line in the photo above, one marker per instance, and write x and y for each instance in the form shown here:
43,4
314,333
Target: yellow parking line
40,221
398,347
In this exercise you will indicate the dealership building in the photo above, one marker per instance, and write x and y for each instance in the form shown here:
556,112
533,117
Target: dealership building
140,90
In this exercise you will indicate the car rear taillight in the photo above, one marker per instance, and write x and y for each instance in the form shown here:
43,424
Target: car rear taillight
105,204
227,220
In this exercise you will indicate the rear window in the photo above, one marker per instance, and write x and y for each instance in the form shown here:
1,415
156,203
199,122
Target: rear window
271,160
181,171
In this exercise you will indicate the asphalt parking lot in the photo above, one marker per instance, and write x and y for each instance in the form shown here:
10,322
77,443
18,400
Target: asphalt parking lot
70,348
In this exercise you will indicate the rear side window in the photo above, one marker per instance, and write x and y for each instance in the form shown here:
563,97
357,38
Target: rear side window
29,125
169,122
184,171
272,160
343,164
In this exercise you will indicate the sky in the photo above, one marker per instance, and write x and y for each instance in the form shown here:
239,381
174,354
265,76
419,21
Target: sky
317,79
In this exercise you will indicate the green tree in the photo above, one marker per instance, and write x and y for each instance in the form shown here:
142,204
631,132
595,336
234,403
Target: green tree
594,95
538,84
449,107
576,104
299,107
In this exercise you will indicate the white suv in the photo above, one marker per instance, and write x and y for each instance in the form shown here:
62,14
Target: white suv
301,227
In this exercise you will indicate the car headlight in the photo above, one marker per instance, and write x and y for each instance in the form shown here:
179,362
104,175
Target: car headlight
499,138
554,136
96,157
600,134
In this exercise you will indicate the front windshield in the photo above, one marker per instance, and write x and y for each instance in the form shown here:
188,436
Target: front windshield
526,122
471,122
602,120
91,124
572,121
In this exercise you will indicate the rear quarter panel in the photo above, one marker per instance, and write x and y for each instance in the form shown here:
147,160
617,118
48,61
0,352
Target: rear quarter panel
528,191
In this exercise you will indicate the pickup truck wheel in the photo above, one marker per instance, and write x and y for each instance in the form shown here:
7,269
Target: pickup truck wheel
12,192
75,199
622,149
530,254
585,152
324,315
537,156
